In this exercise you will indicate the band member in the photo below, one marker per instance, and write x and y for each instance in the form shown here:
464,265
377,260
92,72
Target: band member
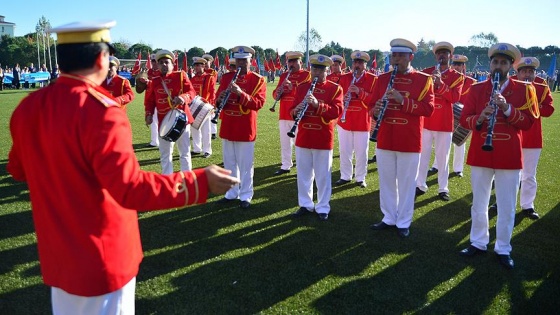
501,159
87,190
143,83
355,121
336,68
171,90
214,75
532,143
205,87
315,137
286,91
438,128
399,143
238,128
118,86
232,67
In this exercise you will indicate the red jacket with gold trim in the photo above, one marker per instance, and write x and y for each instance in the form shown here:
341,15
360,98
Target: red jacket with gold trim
447,95
178,84
357,113
287,100
533,138
120,89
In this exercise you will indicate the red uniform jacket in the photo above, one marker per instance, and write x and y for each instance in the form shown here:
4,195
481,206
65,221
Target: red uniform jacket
506,138
401,128
316,128
357,114
205,86
334,77
121,90
297,78
239,115
447,95
88,185
533,138
467,83
178,84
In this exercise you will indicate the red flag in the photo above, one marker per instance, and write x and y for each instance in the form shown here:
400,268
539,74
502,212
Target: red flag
176,62
216,62
227,59
266,67
149,62
136,67
343,66
254,64
277,63
374,63
185,61
271,64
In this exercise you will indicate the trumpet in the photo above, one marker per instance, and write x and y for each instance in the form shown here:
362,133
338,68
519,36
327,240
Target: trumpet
373,137
219,108
348,96
279,95
487,146
299,116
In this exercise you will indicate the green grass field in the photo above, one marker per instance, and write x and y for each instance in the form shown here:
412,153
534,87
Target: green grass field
220,259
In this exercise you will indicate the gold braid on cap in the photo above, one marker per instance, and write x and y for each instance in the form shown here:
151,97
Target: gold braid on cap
532,103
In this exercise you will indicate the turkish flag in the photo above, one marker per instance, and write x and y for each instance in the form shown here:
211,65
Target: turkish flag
149,62
216,62
176,62
374,64
277,63
136,67
185,60
227,60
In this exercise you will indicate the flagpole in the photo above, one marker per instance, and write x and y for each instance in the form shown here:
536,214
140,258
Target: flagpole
307,39
38,50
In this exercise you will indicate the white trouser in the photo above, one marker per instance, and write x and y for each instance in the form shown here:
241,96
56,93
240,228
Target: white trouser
353,143
286,143
201,137
166,151
397,181
506,186
238,157
120,302
442,144
458,157
154,136
529,178
313,164
213,127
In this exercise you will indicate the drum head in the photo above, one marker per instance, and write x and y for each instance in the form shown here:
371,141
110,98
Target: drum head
167,123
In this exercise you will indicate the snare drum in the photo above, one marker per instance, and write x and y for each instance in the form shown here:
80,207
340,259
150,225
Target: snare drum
200,111
460,134
173,125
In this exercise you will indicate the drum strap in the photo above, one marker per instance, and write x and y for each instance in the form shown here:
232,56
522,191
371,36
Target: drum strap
167,92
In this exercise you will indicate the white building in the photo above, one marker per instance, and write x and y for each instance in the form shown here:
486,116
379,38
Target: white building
6,28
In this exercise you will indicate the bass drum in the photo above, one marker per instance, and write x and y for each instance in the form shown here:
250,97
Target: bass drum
460,134
200,111
173,125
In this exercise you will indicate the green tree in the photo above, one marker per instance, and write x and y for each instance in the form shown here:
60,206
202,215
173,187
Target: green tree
484,40
314,41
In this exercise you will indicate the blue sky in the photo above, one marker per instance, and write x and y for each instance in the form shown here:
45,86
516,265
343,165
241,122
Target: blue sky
357,24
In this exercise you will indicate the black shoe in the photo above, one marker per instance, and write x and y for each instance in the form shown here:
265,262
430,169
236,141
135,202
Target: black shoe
372,160
206,155
280,172
432,170
493,207
301,212
530,213
213,136
506,261
419,192
341,182
444,196
459,174
471,251
195,153
224,200
380,226
245,204
149,145
404,232
323,216
362,184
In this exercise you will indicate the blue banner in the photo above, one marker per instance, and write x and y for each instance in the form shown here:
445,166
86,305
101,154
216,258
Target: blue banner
552,68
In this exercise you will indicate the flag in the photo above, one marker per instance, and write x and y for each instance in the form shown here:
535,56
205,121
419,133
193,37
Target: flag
387,63
271,64
374,63
136,67
552,68
176,61
266,66
216,62
185,62
227,59
149,62
343,66
277,63
258,63
254,63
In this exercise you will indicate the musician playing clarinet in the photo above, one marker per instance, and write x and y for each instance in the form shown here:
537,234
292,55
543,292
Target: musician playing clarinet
172,89
438,128
399,140
336,68
238,128
285,93
355,121
495,152
315,137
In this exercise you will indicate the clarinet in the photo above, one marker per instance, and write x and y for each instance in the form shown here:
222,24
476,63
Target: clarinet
487,146
225,99
348,97
279,96
373,137
292,132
